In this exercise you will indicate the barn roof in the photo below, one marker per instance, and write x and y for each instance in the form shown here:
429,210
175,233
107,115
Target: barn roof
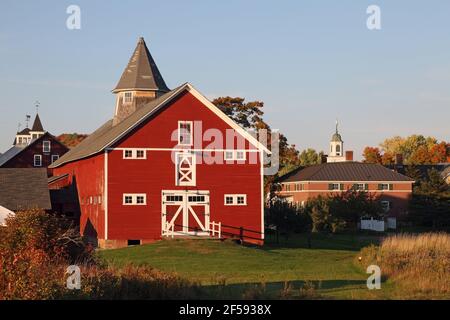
24,188
108,134
141,72
345,171
11,153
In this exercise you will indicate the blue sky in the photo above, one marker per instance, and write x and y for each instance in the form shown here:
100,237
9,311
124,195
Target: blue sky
309,61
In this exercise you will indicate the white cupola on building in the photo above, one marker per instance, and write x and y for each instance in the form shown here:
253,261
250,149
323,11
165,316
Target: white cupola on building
336,148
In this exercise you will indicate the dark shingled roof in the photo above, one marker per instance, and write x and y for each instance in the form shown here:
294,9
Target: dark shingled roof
37,124
107,133
344,171
141,72
24,188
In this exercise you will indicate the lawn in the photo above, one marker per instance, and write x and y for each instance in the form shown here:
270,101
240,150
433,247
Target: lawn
330,265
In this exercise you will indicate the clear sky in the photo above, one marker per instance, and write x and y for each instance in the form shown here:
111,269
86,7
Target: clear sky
309,61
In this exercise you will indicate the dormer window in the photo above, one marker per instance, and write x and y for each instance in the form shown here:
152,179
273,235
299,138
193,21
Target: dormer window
128,97
185,133
46,146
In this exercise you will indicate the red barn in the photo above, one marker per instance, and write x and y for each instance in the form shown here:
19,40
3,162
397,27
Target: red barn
169,163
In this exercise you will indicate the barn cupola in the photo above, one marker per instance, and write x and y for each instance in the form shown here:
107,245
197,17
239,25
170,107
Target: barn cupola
27,135
140,83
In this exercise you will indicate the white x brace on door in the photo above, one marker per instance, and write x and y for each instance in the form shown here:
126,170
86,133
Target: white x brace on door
185,213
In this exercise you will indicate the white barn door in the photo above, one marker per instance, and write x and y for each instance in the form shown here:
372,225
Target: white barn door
185,213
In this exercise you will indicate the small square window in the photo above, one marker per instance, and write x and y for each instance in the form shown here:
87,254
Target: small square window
228,155
128,154
241,200
128,199
140,199
140,154
240,155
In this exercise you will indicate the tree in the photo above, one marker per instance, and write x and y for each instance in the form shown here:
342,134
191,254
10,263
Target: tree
372,155
71,140
310,157
246,114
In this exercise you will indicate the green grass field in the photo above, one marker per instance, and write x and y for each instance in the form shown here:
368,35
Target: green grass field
330,265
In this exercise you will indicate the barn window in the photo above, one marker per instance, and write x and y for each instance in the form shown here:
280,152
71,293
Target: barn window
46,146
128,97
55,157
235,199
234,155
139,199
240,155
185,133
127,154
140,154
37,160
185,173
134,154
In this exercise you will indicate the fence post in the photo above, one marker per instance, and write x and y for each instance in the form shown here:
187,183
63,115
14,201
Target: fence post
241,234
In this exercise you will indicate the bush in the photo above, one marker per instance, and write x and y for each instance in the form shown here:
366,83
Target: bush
36,248
287,217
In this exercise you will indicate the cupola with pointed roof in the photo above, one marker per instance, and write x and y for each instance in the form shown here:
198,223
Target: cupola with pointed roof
26,135
140,83
336,147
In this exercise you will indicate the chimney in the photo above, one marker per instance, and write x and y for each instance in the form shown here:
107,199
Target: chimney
348,155
398,159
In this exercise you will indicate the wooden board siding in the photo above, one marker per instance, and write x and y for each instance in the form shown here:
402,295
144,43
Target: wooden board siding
87,175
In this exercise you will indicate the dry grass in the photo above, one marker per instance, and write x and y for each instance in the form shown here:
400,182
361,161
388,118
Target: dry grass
419,263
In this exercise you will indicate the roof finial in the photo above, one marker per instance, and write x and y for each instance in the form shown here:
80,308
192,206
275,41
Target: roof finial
337,123
27,119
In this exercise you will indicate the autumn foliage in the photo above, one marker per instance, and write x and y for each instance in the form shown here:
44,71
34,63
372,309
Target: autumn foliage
71,140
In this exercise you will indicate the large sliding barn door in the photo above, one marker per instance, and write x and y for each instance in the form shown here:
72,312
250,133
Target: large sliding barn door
185,213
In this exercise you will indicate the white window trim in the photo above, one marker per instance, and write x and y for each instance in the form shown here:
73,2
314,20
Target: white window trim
234,156
191,123
37,156
125,98
134,154
44,144
55,156
235,197
193,182
134,199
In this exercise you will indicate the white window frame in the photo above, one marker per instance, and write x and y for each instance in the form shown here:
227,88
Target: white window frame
234,155
55,156
382,188
335,184
134,197
191,127
128,99
134,152
235,199
37,156
46,143
193,181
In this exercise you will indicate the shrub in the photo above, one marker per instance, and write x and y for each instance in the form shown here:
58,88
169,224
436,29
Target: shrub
36,248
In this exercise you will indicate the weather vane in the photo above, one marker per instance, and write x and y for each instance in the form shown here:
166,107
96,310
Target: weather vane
27,119
37,104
